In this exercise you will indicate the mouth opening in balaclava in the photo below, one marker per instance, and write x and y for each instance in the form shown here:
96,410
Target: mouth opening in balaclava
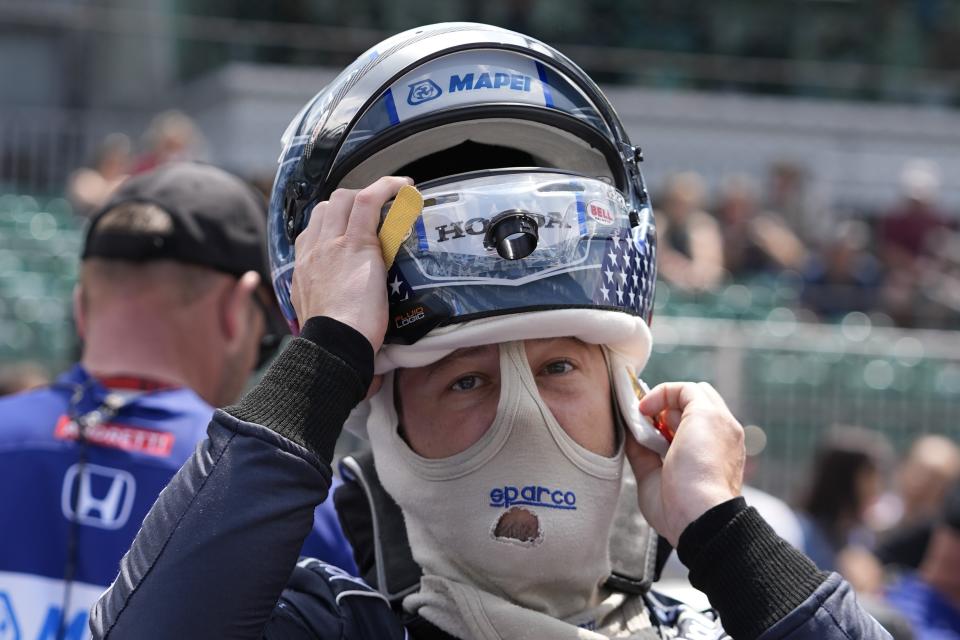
518,525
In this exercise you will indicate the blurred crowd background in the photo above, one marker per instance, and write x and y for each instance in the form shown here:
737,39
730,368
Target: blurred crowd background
803,159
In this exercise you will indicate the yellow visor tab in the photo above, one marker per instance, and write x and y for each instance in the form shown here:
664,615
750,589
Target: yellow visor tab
399,221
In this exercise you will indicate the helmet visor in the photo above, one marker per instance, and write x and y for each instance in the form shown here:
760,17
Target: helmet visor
495,242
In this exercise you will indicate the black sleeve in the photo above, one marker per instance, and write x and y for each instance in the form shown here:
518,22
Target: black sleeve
219,544
752,576
321,602
310,390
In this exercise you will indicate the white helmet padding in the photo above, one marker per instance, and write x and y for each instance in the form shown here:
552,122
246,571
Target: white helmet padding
623,333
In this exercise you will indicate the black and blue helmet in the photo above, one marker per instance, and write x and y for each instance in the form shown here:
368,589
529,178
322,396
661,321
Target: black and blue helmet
536,220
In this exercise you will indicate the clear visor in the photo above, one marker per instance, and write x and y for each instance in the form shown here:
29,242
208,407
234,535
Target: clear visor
517,241
511,227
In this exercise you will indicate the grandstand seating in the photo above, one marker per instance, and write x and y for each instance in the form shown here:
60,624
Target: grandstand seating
39,244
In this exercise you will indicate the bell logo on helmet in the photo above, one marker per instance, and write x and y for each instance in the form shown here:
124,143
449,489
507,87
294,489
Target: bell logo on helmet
423,91
600,213
533,496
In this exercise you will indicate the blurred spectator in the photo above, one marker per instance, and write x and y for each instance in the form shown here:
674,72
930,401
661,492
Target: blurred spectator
753,241
931,467
843,276
90,187
923,480
918,289
171,136
906,230
22,376
690,247
788,194
930,598
846,479
174,308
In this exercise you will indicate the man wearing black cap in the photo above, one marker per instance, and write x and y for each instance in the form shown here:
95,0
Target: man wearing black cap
173,279
174,314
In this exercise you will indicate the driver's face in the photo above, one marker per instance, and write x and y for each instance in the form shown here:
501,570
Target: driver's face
447,406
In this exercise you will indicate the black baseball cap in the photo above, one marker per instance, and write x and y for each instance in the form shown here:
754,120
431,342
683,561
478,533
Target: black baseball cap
214,220
218,221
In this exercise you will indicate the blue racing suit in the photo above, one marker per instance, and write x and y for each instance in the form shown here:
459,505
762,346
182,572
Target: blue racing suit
69,510
266,464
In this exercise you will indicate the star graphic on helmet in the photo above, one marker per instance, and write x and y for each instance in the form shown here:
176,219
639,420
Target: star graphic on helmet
395,286
606,293
609,274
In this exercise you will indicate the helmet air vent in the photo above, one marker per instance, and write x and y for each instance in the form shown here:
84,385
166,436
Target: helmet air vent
514,234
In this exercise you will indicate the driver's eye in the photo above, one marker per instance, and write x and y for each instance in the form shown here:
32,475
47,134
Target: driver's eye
558,367
466,383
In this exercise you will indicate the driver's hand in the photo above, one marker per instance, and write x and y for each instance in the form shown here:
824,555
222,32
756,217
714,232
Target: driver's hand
339,270
704,464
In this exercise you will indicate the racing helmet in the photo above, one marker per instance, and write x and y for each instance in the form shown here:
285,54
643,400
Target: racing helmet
536,222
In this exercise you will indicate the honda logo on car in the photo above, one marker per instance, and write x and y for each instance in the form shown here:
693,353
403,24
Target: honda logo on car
532,496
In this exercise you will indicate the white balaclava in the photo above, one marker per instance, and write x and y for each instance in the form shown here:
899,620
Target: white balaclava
526,461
